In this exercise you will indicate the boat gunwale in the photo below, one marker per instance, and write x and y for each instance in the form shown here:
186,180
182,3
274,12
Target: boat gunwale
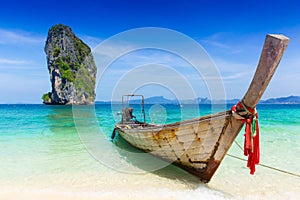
158,127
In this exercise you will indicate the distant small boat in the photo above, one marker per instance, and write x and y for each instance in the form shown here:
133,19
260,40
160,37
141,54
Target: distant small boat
199,145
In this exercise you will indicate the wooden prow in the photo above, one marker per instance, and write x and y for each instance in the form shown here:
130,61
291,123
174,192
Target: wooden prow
271,55
199,145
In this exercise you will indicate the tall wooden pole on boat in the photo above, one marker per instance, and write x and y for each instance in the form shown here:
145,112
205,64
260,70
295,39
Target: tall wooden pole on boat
271,55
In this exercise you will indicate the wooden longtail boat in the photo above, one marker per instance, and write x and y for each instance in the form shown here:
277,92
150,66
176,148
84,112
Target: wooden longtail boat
198,145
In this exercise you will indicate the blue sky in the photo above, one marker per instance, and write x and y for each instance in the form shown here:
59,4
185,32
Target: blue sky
232,33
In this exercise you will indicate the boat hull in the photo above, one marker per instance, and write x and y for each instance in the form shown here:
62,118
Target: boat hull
197,145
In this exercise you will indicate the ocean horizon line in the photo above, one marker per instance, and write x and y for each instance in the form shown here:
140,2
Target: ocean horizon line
292,99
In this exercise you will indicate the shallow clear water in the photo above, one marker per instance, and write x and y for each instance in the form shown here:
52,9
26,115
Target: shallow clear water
54,148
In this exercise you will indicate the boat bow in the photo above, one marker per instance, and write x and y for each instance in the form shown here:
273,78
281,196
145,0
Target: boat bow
199,145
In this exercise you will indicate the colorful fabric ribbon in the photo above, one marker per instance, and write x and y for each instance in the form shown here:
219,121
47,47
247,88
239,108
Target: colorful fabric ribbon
251,141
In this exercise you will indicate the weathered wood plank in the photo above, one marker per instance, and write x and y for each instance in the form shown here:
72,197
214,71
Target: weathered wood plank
271,55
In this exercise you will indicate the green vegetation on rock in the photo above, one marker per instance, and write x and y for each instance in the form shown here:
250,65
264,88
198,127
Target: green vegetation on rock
82,49
66,71
46,97
84,82
56,51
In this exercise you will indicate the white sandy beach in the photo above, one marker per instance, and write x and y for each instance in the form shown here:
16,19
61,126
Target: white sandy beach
231,181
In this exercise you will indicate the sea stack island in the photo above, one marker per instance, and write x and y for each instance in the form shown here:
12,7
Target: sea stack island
71,68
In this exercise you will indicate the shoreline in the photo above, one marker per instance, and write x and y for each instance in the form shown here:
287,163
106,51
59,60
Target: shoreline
232,181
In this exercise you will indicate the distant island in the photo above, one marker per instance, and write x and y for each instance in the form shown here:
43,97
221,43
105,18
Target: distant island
282,100
162,100
71,68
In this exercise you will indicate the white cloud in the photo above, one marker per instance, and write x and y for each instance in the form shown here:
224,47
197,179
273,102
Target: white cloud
227,67
215,43
133,57
234,76
217,40
109,50
14,62
152,74
125,65
239,76
153,56
19,37
233,45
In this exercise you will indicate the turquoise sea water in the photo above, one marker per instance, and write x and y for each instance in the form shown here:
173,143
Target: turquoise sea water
40,148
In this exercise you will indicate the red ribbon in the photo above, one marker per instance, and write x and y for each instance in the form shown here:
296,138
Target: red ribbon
251,141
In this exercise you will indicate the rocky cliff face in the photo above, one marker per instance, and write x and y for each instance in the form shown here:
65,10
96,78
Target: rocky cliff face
71,67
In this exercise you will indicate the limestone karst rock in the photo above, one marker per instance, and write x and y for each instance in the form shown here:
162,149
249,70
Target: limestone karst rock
71,68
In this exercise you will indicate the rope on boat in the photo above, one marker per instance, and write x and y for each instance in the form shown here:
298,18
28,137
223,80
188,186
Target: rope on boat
263,165
249,117
238,145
